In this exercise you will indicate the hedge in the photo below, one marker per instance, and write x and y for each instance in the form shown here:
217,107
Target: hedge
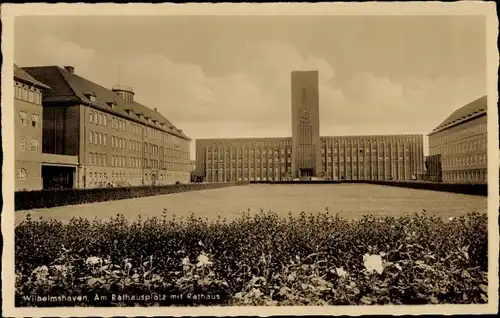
257,259
27,200
479,189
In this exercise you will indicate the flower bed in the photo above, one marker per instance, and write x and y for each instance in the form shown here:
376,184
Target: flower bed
258,259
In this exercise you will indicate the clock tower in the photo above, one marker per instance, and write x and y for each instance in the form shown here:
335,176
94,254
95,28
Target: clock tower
306,153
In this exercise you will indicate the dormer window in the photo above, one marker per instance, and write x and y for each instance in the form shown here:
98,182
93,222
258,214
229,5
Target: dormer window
90,96
140,116
111,105
129,111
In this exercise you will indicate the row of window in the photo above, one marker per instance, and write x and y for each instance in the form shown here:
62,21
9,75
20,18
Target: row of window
98,138
121,143
100,118
465,176
151,133
382,140
350,174
134,129
23,92
479,159
464,146
121,161
100,179
133,162
220,178
452,136
99,159
34,122
33,144
176,154
323,159
258,152
152,149
118,124
325,168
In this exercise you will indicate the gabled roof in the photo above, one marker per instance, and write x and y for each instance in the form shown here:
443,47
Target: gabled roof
472,109
71,88
21,75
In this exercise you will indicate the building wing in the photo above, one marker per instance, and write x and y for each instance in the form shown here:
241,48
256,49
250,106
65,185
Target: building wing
472,109
70,87
23,76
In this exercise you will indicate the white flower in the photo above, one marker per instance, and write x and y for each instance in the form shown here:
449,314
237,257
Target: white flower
203,260
185,261
41,272
373,263
58,268
341,272
128,265
93,260
451,219
398,267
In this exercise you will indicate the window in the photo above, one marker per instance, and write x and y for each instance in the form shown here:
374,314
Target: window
22,117
105,139
21,174
91,115
38,99
17,92
34,145
91,137
22,144
34,121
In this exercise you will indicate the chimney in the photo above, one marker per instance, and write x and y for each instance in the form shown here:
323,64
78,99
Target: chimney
70,69
156,109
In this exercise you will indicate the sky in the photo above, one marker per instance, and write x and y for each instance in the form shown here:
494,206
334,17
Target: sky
229,76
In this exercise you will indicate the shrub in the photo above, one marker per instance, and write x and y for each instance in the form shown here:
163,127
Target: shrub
257,259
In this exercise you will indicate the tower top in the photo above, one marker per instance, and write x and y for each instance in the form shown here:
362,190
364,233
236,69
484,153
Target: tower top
304,71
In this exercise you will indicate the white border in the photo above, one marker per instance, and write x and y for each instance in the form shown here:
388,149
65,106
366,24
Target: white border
488,9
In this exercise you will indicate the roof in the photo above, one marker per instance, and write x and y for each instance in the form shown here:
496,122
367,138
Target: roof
469,111
21,75
71,88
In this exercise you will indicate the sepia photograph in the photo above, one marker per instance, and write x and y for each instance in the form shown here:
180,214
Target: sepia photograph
250,156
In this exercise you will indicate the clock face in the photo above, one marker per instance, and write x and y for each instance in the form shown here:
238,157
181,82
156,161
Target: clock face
304,117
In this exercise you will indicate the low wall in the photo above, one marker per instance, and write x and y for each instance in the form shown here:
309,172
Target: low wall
462,188
27,200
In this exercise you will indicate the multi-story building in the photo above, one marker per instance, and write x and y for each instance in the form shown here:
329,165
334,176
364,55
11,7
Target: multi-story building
389,157
306,154
28,130
433,168
96,137
461,140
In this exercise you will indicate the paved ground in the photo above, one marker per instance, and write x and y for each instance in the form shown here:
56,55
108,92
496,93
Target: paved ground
349,200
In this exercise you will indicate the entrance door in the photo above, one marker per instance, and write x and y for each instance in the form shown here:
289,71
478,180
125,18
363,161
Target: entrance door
306,172
55,177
